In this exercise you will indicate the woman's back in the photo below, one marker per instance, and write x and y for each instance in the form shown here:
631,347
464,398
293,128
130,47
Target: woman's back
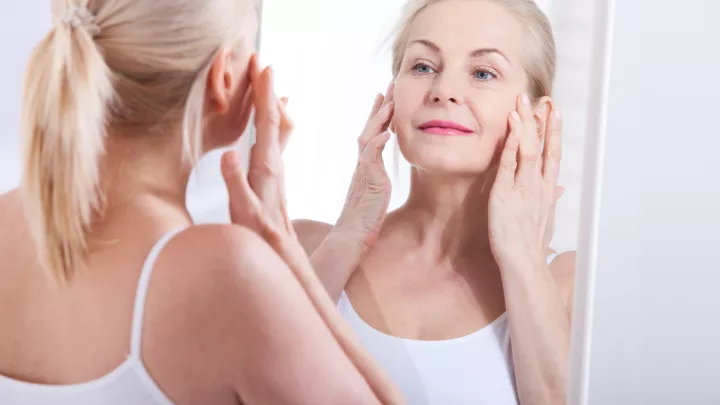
79,336
218,321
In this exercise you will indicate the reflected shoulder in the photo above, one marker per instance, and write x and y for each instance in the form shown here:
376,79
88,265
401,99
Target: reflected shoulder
311,233
563,271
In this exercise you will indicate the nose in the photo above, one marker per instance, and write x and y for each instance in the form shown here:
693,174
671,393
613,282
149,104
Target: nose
445,90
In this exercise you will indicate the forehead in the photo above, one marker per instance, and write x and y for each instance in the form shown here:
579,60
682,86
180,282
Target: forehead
461,26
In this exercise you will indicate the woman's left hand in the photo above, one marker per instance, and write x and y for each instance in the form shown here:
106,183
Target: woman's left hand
522,200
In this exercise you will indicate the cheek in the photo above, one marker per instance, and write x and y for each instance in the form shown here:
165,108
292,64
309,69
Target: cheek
493,111
408,97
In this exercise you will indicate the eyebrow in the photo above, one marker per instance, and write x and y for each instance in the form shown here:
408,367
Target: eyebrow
474,54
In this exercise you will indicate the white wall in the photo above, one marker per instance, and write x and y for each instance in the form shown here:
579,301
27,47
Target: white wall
22,24
656,329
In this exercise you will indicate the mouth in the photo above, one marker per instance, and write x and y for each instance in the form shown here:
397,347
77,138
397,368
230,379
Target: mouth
437,127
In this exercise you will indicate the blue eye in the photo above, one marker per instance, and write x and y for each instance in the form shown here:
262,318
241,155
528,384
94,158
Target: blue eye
423,69
484,75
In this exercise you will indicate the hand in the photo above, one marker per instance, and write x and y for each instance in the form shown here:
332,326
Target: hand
258,202
369,195
522,200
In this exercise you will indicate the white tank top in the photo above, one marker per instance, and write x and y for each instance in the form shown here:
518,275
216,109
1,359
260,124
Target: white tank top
476,369
129,383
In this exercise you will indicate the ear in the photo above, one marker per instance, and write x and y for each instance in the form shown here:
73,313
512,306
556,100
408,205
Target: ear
543,109
222,81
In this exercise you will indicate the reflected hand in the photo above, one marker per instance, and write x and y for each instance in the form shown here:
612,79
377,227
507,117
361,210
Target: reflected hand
369,195
522,201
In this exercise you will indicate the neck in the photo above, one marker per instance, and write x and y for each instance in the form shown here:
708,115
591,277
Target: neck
144,176
450,212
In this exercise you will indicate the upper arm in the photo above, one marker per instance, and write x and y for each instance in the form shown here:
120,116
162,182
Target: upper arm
264,335
311,233
563,271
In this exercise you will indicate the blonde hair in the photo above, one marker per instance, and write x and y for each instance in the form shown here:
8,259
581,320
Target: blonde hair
110,65
540,64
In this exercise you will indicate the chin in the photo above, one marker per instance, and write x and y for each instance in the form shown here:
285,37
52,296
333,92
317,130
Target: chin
460,157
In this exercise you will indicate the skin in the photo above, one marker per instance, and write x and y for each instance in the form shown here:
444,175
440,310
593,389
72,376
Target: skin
264,343
472,238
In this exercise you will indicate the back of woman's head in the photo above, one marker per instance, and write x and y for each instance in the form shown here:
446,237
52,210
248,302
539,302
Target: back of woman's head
110,66
541,53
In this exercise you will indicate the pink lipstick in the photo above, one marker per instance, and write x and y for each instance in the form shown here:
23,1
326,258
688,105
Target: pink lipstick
438,127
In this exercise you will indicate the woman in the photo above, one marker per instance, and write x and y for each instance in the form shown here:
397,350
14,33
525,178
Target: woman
108,293
460,270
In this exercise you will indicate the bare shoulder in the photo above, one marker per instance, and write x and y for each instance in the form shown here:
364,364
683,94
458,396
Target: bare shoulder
563,270
226,310
311,233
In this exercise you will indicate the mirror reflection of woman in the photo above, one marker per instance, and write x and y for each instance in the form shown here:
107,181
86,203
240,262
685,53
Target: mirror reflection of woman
438,289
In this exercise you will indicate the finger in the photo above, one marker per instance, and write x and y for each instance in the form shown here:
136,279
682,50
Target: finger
553,148
379,102
286,124
376,124
388,99
243,202
390,93
508,159
527,171
267,113
374,149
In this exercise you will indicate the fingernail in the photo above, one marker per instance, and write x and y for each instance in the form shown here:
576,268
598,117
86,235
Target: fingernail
515,116
525,99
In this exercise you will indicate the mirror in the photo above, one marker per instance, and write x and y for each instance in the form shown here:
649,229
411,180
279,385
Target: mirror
331,64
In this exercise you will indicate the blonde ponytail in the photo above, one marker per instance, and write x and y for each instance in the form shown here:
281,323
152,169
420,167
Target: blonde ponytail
67,92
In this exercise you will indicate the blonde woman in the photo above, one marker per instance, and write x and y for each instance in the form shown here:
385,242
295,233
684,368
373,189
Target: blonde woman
108,293
462,269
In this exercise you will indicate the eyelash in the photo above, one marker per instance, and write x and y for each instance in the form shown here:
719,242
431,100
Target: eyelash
479,70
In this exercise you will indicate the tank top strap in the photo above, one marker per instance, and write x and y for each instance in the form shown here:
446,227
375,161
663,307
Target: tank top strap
142,290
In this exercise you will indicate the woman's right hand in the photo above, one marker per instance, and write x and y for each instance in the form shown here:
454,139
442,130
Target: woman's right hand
369,195
258,203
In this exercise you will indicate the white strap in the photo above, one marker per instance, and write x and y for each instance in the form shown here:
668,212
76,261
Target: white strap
142,289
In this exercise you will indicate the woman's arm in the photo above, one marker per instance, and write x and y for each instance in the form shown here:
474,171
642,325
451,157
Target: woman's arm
334,253
269,338
521,212
538,298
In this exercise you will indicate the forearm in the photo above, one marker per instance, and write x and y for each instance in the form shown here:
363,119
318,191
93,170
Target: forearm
539,332
336,258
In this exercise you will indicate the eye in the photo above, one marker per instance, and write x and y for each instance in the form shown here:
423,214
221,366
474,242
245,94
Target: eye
484,75
423,69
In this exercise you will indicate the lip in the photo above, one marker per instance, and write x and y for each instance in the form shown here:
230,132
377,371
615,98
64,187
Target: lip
438,127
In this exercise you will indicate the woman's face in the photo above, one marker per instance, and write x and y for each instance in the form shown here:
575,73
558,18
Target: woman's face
461,74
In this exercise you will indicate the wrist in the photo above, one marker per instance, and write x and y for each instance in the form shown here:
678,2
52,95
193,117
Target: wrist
527,263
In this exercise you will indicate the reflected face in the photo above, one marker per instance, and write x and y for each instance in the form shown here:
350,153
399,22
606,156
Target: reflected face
461,74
